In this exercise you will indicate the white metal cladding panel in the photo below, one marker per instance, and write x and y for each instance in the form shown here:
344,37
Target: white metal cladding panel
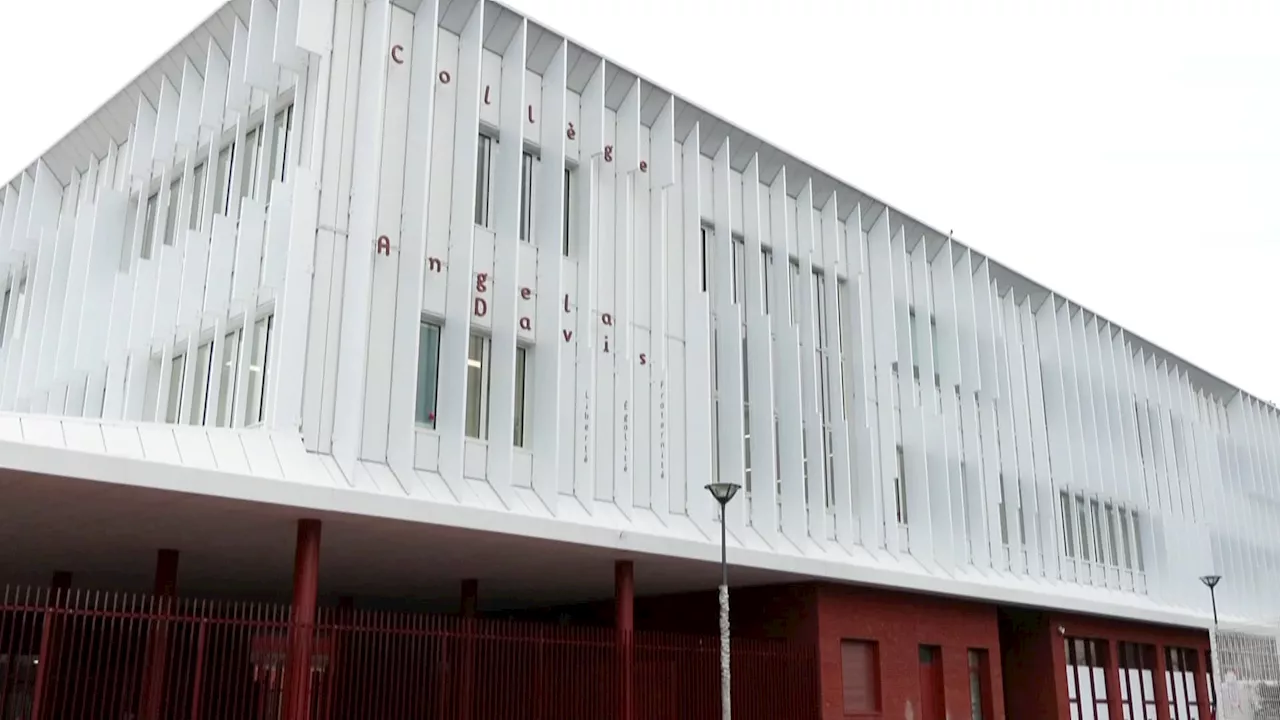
642,345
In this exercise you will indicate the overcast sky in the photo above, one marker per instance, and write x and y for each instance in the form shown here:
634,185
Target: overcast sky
1125,154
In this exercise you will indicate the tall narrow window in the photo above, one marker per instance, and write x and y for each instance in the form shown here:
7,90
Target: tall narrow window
484,156
200,386
766,263
526,196
4,316
478,387
915,344
522,362
706,259
1004,519
568,207
900,487
1068,531
979,682
1137,544
1124,539
280,145
255,404
130,228
227,376
173,404
428,374
171,212
794,285
20,309
860,676
252,164
222,181
149,225
197,198
739,268
1082,518
1099,545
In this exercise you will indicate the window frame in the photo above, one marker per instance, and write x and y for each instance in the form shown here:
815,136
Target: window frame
483,216
480,406
870,650
421,406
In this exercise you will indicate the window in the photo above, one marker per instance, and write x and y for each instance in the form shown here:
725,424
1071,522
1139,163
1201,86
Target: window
173,404
227,377
860,676
979,682
200,388
794,284
739,268
1068,527
252,164
255,406
1004,520
171,212
766,262
149,225
20,309
484,156
568,207
706,260
522,364
478,387
4,316
424,413
900,487
1137,544
280,145
197,198
222,182
1100,547
914,344
526,196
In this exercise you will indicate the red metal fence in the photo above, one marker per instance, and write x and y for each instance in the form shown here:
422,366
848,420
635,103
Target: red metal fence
89,654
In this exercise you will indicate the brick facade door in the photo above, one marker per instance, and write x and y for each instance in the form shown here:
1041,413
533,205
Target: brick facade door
932,703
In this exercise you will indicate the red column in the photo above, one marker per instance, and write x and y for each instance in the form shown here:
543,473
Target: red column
1111,666
306,576
1202,685
624,623
1161,687
166,588
58,592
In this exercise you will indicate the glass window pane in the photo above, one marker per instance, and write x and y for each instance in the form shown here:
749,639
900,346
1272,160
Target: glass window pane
222,181
171,212
477,387
149,224
568,216
526,197
521,367
197,197
482,181
200,388
227,377
255,399
173,405
428,371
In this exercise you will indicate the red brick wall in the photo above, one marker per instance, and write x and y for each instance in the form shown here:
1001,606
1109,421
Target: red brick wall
1027,657
900,623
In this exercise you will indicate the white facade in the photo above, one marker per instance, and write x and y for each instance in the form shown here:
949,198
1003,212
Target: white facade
465,263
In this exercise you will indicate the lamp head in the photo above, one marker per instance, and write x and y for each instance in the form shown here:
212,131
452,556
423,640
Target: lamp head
723,492
1211,581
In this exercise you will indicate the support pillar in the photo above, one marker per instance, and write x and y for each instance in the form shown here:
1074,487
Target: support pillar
1111,669
624,626
166,589
306,576
59,589
1202,684
1160,684
1058,651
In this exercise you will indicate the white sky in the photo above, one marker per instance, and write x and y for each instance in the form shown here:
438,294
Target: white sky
1125,154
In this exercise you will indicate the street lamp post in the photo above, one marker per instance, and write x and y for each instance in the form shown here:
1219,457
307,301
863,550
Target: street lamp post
723,493
1211,582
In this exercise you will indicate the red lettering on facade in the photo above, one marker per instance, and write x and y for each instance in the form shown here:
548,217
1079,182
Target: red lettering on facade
568,335
384,246
644,166
606,318
481,308
571,133
644,359
608,153
434,264
445,77
526,293
526,323
566,303
395,54
606,344
531,114
482,282
486,95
